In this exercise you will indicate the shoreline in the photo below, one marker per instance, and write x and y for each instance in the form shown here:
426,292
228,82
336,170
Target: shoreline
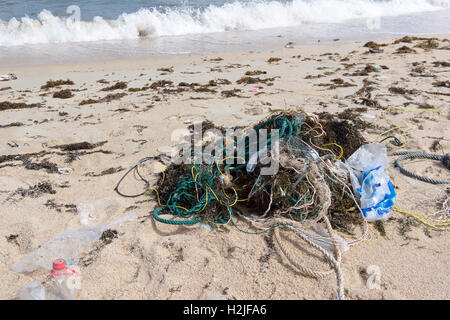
154,60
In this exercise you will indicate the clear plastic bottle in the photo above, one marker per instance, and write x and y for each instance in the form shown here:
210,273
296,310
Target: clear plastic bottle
63,288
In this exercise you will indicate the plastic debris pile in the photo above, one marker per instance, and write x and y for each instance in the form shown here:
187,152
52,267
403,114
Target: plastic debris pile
309,193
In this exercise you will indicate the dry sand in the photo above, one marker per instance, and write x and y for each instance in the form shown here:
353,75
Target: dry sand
148,260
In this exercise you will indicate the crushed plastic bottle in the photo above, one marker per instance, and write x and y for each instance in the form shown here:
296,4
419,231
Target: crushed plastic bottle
64,284
61,287
370,182
67,245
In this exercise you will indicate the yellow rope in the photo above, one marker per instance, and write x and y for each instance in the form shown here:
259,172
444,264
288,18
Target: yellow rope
442,225
159,201
335,144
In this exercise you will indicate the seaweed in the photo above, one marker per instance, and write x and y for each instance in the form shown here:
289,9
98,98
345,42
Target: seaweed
13,124
428,44
107,98
170,69
161,84
49,166
231,93
144,88
435,146
36,190
441,64
374,45
272,60
252,80
405,49
57,83
12,238
5,105
255,73
116,86
106,238
337,83
105,172
364,72
344,134
398,90
190,85
79,146
217,82
405,227
204,89
22,157
51,204
63,94
408,39
351,115
379,226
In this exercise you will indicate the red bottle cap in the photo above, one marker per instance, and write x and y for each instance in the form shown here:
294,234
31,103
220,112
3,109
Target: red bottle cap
59,264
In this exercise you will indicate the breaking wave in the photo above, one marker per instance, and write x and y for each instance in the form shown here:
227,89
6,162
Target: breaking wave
256,15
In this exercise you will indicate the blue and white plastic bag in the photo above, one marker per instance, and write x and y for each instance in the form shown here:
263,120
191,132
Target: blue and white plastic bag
370,182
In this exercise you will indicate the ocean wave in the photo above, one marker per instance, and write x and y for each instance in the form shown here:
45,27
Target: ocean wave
256,15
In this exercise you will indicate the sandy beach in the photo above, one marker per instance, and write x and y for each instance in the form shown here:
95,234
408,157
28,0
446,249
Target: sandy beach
125,110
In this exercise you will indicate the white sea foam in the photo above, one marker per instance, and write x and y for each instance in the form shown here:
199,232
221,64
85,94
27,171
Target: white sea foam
48,28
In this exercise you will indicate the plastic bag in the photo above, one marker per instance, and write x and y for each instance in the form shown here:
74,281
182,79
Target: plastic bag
370,181
67,245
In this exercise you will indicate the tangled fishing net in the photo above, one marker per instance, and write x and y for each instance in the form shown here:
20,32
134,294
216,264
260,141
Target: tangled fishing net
308,195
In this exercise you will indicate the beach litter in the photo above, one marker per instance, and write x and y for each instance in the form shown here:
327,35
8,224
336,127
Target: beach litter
67,245
8,77
65,170
443,159
370,182
289,45
310,194
63,282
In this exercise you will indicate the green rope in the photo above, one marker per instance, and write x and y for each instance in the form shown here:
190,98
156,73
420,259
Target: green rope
184,206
